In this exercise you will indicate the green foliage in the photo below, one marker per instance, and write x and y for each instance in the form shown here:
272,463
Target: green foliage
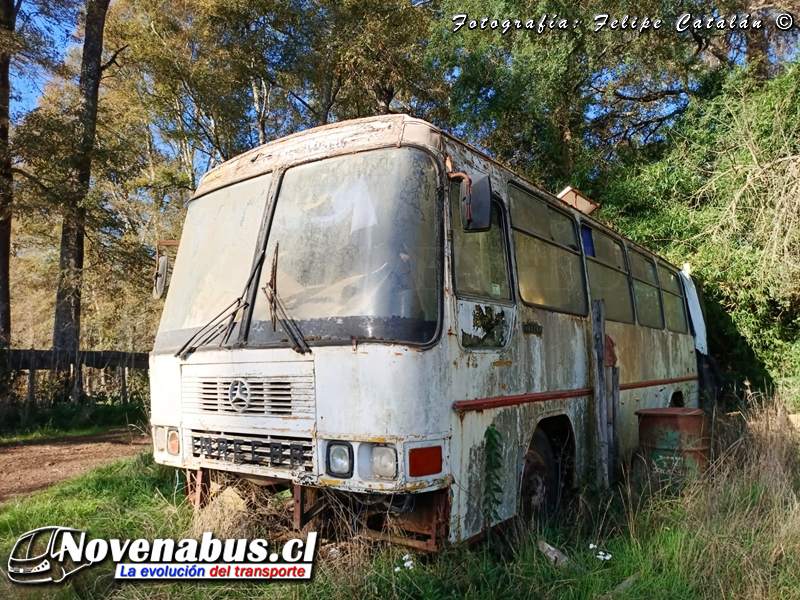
721,193
492,470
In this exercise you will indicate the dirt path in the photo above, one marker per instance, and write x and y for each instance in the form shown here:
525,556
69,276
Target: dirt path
29,466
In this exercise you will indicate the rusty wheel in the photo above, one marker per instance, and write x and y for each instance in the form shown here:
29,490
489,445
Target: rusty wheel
539,484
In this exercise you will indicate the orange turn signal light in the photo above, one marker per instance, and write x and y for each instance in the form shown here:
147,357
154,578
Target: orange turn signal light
424,461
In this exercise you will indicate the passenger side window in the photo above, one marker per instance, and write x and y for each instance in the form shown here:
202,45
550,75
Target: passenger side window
549,265
608,274
674,306
481,265
645,290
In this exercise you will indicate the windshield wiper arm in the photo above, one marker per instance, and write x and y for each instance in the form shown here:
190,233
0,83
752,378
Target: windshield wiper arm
288,324
229,312
214,324
277,310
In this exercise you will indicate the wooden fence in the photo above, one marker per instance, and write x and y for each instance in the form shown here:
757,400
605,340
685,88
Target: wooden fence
45,360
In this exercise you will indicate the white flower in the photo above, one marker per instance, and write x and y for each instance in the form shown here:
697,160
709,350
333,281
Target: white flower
406,557
397,569
592,546
409,564
603,555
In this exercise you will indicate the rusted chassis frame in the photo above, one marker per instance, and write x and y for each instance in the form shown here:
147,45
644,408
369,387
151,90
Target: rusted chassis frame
429,517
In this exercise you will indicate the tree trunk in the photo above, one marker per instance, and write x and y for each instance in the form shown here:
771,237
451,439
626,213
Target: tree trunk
8,18
66,330
758,54
565,134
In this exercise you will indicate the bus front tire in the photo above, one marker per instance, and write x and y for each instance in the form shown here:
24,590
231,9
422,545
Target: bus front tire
539,483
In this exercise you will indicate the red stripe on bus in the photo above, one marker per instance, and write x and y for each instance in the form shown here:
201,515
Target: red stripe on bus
643,384
484,403
501,401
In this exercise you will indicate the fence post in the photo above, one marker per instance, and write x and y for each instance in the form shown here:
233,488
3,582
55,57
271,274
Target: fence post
123,376
32,379
600,395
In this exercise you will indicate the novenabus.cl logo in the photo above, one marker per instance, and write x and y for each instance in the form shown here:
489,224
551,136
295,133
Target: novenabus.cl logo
38,556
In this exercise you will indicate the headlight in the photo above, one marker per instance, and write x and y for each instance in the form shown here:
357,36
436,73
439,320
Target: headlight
173,442
340,459
161,439
384,461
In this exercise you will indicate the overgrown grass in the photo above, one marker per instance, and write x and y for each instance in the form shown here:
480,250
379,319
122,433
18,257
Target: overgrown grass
730,533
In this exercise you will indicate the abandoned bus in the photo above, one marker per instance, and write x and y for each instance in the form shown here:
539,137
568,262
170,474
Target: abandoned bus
351,307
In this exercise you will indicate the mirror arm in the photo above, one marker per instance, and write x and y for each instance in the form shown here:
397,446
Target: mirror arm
161,243
461,175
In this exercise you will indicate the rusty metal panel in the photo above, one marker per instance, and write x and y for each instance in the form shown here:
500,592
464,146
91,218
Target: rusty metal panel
668,355
676,440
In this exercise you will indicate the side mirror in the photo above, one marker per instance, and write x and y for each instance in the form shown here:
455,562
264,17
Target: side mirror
162,268
476,204
160,277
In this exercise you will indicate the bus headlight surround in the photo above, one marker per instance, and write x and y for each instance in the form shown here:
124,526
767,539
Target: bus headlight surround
340,460
384,462
160,439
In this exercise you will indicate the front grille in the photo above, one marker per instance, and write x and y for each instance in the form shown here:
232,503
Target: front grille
271,396
274,451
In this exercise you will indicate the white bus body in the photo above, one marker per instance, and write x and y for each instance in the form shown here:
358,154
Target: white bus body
421,369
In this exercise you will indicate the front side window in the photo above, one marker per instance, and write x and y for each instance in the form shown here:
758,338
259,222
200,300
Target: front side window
481,266
357,250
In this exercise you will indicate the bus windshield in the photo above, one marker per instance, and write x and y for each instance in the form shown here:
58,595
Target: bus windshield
356,256
214,258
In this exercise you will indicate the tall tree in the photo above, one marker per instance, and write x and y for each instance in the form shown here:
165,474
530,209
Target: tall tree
32,43
562,104
66,330
9,9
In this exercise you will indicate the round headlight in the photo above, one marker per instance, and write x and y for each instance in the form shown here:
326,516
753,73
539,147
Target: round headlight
340,459
384,461
173,442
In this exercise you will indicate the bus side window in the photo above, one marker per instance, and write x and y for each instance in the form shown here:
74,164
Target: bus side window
608,275
674,306
481,266
645,290
549,265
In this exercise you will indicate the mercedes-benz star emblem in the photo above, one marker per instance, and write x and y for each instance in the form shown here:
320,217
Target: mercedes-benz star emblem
239,395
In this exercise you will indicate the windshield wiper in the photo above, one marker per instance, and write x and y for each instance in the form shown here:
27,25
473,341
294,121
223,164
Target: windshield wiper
216,325
277,310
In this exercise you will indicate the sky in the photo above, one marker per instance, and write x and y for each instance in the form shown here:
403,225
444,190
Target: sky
27,88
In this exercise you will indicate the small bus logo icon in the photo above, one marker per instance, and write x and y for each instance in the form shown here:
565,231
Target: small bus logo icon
37,556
